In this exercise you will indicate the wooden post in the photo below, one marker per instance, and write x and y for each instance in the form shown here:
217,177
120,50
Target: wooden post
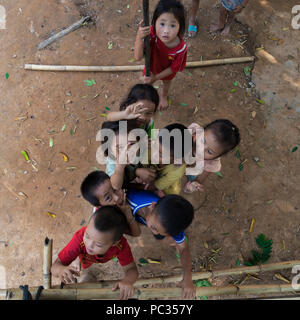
147,39
47,263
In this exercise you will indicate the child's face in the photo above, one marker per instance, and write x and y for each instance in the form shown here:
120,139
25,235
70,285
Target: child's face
162,153
153,222
107,195
167,28
212,148
146,116
97,242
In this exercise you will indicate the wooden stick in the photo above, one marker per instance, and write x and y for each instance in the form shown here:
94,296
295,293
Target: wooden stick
195,275
62,33
149,293
146,39
191,64
47,263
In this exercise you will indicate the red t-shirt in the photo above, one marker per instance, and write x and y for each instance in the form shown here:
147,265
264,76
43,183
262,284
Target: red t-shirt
77,248
162,57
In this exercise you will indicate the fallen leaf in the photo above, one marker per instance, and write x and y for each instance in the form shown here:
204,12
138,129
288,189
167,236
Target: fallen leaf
252,225
131,60
22,194
71,168
103,115
109,45
280,277
53,215
295,149
63,128
205,244
153,261
235,83
253,114
25,155
196,109
219,174
232,90
65,157
51,142
7,75
183,104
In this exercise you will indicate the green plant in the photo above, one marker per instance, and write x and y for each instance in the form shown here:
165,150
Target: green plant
266,246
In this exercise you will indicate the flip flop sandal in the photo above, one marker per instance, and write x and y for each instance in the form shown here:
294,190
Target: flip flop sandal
193,28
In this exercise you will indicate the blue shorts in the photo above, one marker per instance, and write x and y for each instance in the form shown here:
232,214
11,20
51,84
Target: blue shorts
191,178
230,5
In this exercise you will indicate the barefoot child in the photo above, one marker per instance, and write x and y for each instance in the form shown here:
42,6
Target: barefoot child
166,217
228,11
168,51
220,137
96,188
100,241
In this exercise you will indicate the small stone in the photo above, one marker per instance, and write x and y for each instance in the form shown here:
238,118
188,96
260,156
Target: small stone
256,159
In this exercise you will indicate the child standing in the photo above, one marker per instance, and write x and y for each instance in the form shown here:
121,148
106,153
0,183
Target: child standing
228,11
220,137
168,51
100,241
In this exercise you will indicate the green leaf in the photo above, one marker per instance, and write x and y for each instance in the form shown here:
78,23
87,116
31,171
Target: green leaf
89,83
51,142
63,128
238,262
241,167
235,83
202,283
183,104
71,132
219,174
7,75
238,154
247,70
143,261
260,101
295,149
232,90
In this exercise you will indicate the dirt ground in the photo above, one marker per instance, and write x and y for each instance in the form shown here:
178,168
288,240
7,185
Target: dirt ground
35,106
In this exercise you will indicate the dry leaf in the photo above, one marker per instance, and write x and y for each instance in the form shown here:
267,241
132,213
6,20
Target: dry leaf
280,277
252,225
65,157
253,114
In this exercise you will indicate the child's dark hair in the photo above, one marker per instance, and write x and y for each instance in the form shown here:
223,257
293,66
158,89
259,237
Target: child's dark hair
138,92
175,213
170,6
185,148
226,133
110,219
90,183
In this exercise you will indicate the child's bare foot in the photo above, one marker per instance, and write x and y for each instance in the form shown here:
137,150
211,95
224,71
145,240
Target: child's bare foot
163,103
226,30
214,27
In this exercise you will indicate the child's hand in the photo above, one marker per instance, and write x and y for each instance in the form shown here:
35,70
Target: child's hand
126,289
134,111
143,31
149,80
193,186
147,175
67,274
188,289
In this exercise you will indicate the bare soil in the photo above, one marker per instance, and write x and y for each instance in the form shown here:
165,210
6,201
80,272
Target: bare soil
36,105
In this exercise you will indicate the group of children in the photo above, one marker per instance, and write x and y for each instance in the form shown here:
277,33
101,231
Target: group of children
127,196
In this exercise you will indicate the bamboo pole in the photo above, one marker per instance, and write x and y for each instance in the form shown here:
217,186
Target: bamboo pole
47,263
195,275
150,293
191,64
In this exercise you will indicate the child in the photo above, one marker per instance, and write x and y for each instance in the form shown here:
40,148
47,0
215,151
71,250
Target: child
140,104
220,137
169,176
121,174
100,241
228,10
166,217
168,51
96,188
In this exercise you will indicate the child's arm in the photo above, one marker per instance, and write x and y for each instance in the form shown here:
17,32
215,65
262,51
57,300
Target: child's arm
188,288
134,228
154,77
126,284
133,111
138,46
117,177
66,274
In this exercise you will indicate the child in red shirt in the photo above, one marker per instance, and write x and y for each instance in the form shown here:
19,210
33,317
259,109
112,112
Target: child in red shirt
100,241
168,51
